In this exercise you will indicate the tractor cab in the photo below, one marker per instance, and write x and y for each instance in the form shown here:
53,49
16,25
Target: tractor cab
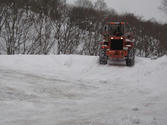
116,29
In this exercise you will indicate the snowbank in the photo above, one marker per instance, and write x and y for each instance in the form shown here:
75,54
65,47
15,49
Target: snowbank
76,90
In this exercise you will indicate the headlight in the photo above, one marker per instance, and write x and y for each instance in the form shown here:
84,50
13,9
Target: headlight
128,45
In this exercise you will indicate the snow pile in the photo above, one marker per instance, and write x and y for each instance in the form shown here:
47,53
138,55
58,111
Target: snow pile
76,90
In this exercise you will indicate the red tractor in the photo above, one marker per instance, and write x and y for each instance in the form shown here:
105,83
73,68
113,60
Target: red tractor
118,43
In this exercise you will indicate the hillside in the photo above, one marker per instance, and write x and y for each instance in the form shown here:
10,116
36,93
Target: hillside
43,27
76,90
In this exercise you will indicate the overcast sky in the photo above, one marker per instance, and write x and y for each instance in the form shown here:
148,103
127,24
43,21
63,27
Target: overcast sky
145,8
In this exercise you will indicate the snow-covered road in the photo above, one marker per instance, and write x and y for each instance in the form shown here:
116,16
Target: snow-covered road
76,90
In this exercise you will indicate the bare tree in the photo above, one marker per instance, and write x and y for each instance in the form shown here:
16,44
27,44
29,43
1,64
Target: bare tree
2,14
14,29
100,5
44,19
164,6
42,38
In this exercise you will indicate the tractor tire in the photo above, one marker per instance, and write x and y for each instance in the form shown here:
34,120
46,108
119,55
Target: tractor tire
103,57
130,60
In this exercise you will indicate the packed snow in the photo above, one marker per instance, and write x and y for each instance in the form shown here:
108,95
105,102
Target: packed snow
76,90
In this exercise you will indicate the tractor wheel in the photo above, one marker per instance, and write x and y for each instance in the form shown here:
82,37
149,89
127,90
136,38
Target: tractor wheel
103,57
130,61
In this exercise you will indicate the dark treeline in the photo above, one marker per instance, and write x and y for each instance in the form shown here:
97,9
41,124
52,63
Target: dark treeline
54,27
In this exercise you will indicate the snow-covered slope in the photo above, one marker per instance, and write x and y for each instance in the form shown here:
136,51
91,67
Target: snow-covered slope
76,90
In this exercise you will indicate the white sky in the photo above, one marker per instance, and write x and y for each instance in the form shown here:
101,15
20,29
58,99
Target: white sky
145,8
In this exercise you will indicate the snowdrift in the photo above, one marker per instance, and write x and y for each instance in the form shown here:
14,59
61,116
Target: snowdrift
76,90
